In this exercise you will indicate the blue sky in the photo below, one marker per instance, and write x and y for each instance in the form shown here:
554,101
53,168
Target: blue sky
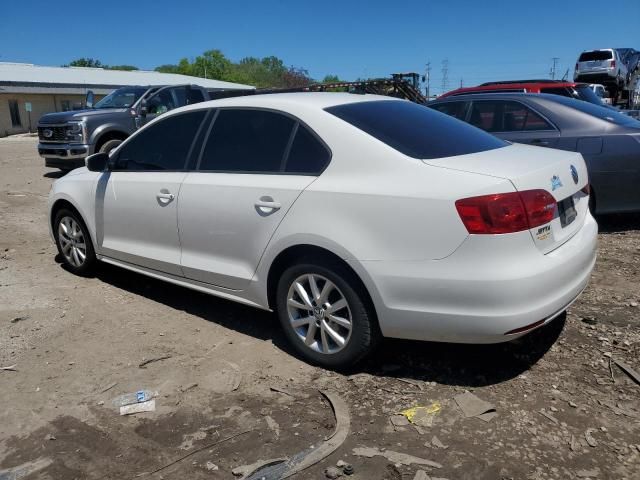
483,40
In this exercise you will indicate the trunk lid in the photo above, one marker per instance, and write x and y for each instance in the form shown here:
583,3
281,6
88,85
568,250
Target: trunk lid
562,174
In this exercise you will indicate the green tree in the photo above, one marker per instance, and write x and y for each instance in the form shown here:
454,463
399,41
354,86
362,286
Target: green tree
331,79
85,62
127,68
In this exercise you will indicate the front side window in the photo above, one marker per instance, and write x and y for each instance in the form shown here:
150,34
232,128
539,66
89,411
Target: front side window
506,116
163,145
160,103
415,130
455,109
247,141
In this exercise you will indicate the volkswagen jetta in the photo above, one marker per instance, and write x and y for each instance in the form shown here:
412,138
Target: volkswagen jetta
354,217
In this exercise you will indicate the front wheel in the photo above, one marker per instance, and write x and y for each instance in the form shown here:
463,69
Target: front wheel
109,145
73,242
324,314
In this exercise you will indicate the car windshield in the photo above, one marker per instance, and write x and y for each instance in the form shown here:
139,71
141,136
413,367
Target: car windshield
597,55
121,98
415,130
608,114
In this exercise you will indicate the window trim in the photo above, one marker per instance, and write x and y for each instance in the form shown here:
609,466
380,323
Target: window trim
544,117
285,156
186,163
465,110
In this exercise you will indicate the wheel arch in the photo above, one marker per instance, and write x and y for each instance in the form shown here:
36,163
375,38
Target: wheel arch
314,253
104,136
62,203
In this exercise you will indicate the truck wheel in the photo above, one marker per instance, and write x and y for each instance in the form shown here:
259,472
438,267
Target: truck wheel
109,145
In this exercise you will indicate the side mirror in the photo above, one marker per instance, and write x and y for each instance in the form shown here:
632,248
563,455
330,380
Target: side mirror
97,162
143,108
89,99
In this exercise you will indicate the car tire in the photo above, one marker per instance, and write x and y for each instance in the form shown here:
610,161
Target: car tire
73,242
109,145
342,311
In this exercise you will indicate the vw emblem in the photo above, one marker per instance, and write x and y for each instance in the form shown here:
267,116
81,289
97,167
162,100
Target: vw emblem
47,133
318,312
574,174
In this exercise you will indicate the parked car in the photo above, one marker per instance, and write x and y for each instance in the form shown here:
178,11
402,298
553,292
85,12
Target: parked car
580,91
66,138
608,140
352,216
601,66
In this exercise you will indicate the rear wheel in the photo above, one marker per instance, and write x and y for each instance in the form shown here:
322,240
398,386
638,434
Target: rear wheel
324,314
73,242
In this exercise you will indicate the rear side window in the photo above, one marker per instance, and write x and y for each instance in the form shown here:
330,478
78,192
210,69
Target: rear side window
453,109
415,130
597,55
163,145
307,155
247,141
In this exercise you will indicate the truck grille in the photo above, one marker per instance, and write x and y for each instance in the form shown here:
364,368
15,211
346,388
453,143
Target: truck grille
52,134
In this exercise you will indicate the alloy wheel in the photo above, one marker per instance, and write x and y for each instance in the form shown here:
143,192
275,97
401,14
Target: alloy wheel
72,241
319,313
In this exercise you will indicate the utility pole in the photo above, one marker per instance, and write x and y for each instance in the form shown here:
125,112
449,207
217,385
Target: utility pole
553,69
445,75
427,78
461,83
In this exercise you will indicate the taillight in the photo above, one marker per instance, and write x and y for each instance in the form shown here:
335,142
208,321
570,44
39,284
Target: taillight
613,64
506,212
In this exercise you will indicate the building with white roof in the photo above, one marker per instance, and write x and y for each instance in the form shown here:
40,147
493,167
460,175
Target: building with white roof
29,91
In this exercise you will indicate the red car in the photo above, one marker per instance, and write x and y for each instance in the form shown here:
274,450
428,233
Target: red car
581,91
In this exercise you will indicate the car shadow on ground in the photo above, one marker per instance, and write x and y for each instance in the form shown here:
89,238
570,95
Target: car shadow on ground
618,223
55,174
450,364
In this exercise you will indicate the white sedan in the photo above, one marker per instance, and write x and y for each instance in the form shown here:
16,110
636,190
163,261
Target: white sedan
354,217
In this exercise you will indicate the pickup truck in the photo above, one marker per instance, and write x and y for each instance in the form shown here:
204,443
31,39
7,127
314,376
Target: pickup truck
66,138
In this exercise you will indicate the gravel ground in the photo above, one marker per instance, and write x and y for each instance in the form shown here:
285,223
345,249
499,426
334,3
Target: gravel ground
231,393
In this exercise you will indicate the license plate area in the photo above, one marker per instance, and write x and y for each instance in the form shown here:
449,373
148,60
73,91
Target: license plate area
567,211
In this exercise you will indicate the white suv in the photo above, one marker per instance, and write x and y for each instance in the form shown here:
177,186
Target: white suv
601,66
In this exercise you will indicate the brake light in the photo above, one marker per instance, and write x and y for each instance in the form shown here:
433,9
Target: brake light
506,212
613,64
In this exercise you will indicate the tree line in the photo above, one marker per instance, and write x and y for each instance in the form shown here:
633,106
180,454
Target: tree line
266,72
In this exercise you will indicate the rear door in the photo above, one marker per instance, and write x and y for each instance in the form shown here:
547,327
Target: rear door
254,165
136,204
513,121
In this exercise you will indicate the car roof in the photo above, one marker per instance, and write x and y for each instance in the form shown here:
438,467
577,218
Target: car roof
318,100
510,85
497,95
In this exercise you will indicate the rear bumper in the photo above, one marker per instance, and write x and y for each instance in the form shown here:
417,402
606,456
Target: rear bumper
603,76
490,286
63,155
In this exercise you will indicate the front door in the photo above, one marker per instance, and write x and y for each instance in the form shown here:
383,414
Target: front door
255,164
136,204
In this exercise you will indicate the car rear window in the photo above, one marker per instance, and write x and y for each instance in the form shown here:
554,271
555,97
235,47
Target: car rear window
415,130
597,55
602,112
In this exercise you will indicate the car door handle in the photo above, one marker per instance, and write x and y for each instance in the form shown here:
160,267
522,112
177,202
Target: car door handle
263,204
266,205
165,197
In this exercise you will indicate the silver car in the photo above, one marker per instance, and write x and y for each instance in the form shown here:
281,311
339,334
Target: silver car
601,66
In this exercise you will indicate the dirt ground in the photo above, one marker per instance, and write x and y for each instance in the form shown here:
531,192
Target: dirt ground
231,385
